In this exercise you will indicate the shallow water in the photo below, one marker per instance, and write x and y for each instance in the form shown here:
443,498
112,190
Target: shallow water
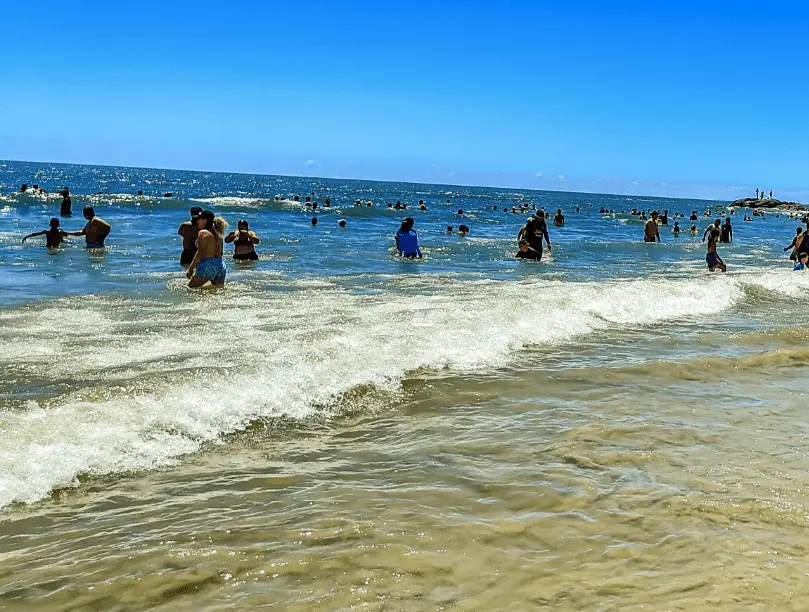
613,428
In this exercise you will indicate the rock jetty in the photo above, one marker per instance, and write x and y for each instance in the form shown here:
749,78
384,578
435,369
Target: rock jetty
767,203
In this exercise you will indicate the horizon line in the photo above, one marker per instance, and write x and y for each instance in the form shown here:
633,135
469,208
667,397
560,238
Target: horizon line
304,176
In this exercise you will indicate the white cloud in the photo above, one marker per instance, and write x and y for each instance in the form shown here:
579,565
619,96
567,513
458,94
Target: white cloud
539,175
561,178
311,163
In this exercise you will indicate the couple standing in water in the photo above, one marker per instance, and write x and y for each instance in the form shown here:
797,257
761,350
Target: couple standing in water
203,247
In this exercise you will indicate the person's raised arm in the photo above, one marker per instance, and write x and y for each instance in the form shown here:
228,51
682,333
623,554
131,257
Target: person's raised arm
81,232
230,237
254,237
791,244
35,234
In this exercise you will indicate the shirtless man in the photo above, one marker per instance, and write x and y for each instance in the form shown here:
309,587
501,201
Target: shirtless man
716,226
651,231
96,230
188,230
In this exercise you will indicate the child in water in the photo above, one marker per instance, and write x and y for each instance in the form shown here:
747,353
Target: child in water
713,259
53,236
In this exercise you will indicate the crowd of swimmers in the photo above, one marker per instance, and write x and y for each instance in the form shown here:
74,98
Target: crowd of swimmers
204,237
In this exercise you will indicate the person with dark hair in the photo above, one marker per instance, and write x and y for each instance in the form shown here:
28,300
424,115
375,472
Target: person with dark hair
796,242
526,252
342,223
96,230
712,257
314,221
651,231
54,237
244,242
208,264
801,265
449,229
726,231
559,219
65,209
715,226
407,240
463,229
188,230
23,188
664,218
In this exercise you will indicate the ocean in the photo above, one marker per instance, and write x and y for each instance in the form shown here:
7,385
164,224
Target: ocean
613,428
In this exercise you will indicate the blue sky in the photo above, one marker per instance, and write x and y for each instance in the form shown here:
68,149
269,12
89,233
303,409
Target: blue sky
686,98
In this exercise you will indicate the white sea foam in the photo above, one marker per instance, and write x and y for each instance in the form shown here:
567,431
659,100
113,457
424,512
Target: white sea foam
153,381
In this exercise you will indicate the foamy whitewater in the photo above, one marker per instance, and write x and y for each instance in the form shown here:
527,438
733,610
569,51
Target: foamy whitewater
111,369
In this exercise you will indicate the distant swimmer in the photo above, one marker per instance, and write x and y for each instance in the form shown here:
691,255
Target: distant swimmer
168,195
140,193
208,264
66,208
651,231
54,237
693,229
801,265
96,230
796,242
449,229
559,219
342,223
407,240
676,229
664,218
23,188
712,257
188,230
715,226
314,221
244,242
726,231
693,216
463,230
526,252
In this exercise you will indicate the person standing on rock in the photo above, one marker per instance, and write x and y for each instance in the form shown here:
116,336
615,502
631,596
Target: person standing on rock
771,194
756,193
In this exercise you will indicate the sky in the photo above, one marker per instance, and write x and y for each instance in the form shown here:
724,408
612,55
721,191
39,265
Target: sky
703,99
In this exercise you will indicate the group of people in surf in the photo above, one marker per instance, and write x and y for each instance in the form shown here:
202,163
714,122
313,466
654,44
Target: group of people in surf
203,236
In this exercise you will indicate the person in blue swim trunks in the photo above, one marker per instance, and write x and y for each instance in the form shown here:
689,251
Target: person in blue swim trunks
208,264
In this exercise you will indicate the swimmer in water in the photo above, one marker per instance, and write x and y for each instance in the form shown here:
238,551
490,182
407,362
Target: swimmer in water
712,257
676,229
96,230
715,226
526,252
65,208
188,230
244,242
559,219
407,240
463,230
54,237
208,264
342,223
795,243
651,231
726,231
801,265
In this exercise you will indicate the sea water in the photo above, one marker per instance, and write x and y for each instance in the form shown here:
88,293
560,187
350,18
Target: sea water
611,428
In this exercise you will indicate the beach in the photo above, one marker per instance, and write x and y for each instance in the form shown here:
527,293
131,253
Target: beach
338,429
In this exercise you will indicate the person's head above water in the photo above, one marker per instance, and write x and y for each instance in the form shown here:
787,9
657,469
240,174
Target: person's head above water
717,222
54,223
803,257
341,223
195,211
314,221
449,229
463,229
523,244
242,225
798,230
655,214
205,219
408,223
88,212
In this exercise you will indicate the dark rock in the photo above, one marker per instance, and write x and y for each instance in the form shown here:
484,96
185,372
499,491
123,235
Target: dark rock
767,203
